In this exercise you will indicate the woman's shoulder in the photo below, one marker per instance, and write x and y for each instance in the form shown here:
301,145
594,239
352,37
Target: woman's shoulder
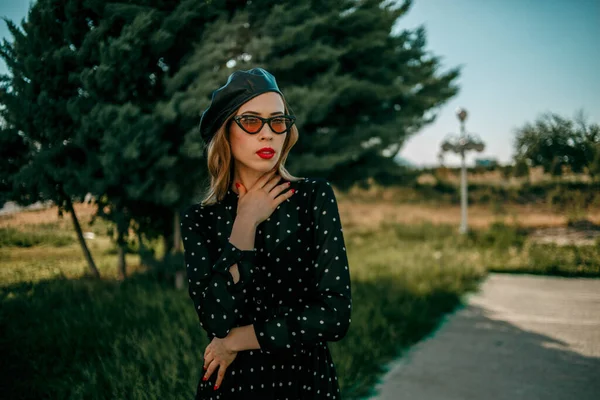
316,184
313,182
317,190
193,211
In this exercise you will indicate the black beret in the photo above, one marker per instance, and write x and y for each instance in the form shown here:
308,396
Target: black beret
241,86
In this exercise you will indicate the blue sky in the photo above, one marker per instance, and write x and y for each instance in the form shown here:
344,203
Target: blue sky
520,58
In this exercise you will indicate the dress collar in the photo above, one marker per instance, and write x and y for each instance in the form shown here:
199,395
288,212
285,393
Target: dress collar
230,199
283,222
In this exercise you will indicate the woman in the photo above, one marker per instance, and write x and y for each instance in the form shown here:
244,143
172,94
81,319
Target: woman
265,255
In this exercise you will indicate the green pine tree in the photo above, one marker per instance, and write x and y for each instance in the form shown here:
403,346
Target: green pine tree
146,167
42,155
358,90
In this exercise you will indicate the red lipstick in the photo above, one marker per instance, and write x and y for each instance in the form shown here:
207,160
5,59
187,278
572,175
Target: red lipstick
266,152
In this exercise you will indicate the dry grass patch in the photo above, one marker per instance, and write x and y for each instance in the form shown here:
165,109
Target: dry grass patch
48,215
480,217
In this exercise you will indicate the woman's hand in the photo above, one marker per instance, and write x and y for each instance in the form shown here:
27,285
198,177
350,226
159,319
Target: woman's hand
263,197
217,355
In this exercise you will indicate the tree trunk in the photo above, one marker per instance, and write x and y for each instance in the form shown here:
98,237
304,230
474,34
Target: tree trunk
141,249
121,264
167,246
176,233
167,240
86,252
180,273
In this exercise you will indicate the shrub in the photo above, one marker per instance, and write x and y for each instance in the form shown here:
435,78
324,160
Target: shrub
499,236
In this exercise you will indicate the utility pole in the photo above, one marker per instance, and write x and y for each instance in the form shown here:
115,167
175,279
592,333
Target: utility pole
460,144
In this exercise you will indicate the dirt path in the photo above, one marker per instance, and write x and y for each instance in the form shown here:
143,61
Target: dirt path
520,337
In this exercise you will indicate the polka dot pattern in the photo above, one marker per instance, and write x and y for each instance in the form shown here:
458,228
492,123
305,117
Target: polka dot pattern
294,289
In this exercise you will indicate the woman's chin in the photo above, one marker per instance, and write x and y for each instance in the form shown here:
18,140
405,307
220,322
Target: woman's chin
265,165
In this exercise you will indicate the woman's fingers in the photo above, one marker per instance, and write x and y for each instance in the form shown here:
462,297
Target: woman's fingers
272,183
241,189
283,197
207,361
211,368
263,180
279,188
221,374
208,357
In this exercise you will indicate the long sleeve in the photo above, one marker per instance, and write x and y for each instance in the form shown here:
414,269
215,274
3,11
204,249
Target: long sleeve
326,315
215,296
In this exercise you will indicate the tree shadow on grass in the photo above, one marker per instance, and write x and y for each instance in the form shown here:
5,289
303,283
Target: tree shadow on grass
140,338
87,339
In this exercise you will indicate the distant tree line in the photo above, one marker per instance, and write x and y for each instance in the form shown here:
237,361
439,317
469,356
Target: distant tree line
556,144
105,97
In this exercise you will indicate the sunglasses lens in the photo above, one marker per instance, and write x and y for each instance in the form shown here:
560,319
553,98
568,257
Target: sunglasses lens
251,124
281,125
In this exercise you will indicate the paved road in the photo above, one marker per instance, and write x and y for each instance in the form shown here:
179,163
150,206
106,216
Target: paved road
520,337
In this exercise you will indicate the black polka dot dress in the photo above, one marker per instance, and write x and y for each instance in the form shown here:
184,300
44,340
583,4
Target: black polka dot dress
294,288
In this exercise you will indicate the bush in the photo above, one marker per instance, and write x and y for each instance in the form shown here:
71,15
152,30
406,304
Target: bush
561,195
499,236
521,169
552,259
556,168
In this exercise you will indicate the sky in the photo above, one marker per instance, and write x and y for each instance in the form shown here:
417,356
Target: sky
519,59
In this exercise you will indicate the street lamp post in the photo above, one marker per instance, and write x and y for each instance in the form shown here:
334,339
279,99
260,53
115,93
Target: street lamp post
460,145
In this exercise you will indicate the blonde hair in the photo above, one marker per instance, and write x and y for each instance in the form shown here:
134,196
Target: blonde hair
221,166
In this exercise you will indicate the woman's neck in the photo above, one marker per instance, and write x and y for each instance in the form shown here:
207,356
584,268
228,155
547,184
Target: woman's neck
246,177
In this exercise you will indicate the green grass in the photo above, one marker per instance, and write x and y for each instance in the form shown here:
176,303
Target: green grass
65,336
42,235
81,339
550,259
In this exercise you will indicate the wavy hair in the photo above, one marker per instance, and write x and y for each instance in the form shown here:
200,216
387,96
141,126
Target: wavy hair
221,166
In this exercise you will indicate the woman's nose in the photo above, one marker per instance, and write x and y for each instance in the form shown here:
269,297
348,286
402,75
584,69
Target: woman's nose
266,132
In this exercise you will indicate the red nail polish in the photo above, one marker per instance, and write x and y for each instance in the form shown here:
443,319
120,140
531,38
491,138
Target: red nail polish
216,387
237,185
204,378
293,191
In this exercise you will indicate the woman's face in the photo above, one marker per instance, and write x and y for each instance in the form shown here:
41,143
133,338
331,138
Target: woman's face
246,147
